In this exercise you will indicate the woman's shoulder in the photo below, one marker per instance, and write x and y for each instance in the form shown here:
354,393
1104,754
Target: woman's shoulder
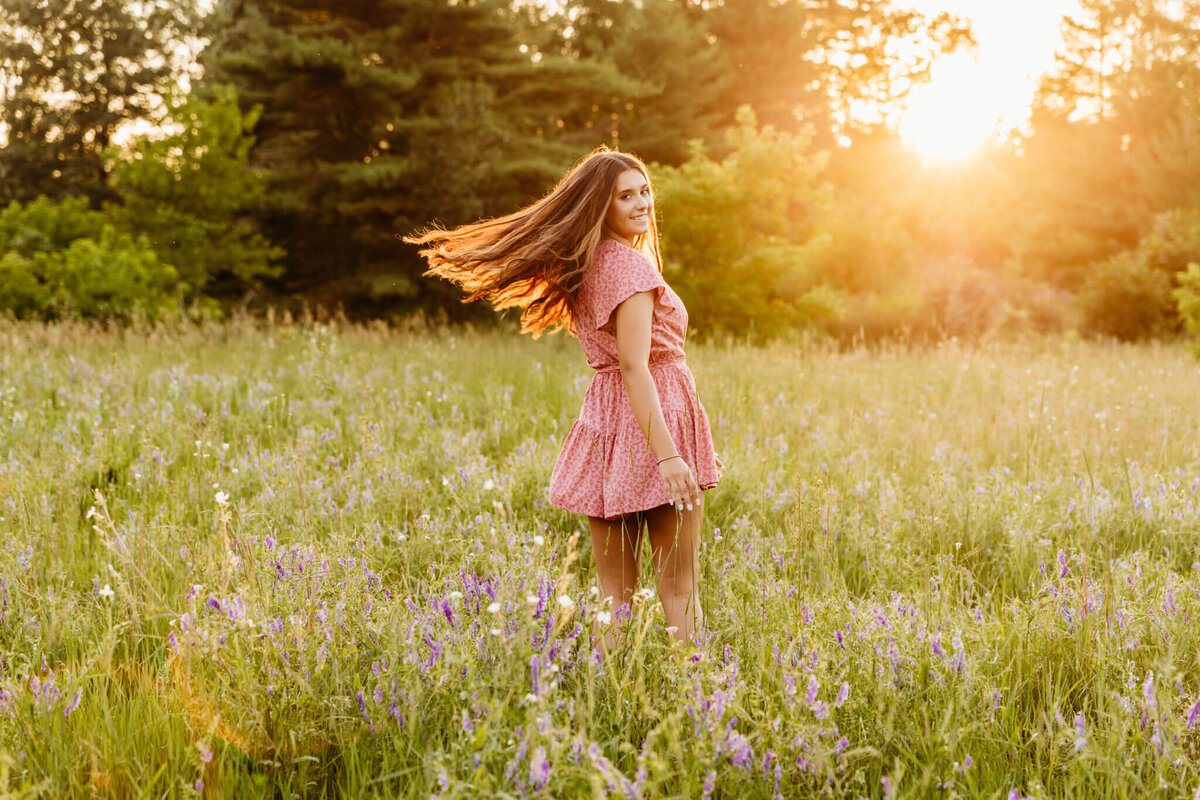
611,255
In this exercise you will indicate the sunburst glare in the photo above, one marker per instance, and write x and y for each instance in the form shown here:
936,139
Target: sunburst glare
956,113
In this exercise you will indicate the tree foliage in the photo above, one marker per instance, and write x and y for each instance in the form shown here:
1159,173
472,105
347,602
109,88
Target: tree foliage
674,73
1130,296
64,261
71,73
191,195
1114,138
809,62
738,235
1187,297
381,116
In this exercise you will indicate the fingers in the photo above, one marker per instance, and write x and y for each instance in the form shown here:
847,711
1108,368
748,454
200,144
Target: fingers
682,491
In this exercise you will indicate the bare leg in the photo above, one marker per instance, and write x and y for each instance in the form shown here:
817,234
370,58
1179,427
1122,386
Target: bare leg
615,548
675,545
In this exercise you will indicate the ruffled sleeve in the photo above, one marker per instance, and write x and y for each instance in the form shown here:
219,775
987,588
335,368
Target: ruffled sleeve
621,273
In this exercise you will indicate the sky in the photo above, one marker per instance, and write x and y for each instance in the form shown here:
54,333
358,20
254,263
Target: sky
970,93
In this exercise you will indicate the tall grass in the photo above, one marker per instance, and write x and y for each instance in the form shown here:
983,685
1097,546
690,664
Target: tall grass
259,560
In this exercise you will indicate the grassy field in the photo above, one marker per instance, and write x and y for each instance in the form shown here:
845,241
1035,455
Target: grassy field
302,561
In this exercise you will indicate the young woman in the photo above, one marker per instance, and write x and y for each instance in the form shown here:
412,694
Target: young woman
585,257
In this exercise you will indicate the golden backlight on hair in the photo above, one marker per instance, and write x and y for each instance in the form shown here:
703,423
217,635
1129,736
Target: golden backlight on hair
534,259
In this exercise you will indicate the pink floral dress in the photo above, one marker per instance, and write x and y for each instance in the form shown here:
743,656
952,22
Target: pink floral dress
606,467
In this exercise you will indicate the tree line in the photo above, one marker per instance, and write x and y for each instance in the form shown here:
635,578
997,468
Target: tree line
159,155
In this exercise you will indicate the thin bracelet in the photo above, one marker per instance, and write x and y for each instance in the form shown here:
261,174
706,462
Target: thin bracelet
668,458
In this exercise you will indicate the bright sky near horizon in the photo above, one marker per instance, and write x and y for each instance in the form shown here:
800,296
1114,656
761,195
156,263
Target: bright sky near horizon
972,94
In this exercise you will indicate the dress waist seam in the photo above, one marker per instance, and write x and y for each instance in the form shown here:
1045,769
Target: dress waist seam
653,365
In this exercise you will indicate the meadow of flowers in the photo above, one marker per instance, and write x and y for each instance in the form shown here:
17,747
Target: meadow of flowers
294,560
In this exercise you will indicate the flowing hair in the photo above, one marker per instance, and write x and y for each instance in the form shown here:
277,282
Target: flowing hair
534,259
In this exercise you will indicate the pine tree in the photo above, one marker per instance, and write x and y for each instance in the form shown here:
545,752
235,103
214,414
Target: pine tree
674,74
379,117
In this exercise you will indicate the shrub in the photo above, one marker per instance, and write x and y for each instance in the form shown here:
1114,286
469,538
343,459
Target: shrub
191,193
1187,297
66,261
739,236
1174,241
1129,295
1126,298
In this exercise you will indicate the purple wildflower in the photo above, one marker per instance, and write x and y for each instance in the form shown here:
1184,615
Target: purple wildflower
1168,605
539,769
74,704
743,756
1148,693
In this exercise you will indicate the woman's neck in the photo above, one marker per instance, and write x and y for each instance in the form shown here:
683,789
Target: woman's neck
616,237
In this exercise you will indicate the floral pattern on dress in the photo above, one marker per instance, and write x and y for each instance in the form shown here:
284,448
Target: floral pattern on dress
606,467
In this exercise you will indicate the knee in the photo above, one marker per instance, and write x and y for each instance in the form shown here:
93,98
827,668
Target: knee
677,586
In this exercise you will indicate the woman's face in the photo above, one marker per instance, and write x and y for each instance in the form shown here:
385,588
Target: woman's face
630,208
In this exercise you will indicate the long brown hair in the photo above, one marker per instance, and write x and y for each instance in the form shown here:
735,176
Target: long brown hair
534,259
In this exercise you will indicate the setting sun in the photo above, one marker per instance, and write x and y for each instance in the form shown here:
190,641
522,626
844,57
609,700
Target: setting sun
974,97
954,114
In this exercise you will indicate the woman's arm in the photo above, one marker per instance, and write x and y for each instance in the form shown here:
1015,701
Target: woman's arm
633,319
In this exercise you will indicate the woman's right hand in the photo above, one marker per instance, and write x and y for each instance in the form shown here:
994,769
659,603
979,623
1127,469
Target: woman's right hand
682,490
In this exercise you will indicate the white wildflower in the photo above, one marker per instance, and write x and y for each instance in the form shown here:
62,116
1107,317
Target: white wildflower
539,540
488,485
106,592
565,601
604,617
222,498
494,608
